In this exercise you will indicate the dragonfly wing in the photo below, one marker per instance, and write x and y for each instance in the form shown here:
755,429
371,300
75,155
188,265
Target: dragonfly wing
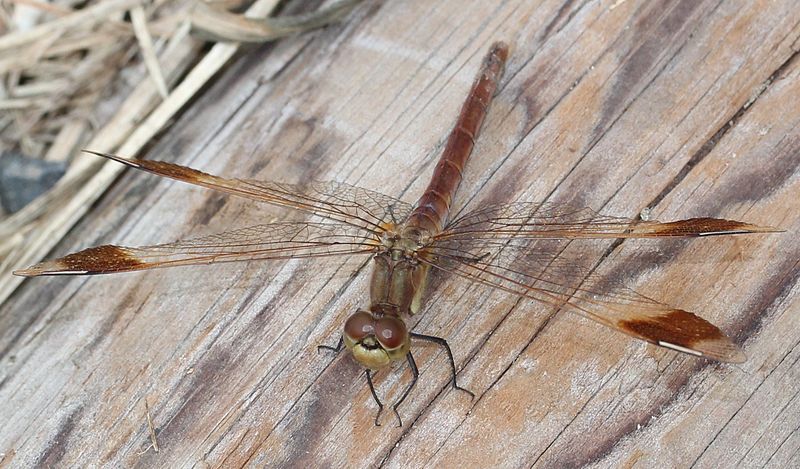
335,201
268,241
558,221
541,270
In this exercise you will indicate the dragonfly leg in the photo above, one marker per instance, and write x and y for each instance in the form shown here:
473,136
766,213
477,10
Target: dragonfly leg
446,346
336,349
475,260
414,375
374,396
470,259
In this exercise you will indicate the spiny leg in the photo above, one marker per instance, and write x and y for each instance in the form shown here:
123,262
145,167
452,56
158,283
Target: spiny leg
470,259
336,349
414,375
374,396
440,341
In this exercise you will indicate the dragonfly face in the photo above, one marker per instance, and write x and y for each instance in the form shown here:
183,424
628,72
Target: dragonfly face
376,339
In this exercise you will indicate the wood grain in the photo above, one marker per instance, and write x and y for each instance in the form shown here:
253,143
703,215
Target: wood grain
690,108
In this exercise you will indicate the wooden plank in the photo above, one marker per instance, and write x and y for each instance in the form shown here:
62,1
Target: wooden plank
690,108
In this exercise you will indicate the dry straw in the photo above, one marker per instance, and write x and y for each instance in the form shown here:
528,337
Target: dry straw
105,77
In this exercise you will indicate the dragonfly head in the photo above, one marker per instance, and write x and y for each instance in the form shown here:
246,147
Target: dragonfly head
376,340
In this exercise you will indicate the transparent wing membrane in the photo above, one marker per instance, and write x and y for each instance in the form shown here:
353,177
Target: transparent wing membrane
525,249
556,221
560,273
270,241
335,201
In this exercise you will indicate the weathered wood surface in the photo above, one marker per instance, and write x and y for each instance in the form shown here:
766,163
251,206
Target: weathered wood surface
689,107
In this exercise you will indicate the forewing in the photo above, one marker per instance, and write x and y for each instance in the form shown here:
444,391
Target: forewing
555,273
269,241
557,221
335,201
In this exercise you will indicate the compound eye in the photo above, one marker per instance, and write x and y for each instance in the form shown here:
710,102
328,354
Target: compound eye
359,325
391,332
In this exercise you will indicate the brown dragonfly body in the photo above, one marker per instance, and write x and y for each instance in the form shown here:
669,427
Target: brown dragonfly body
517,248
398,276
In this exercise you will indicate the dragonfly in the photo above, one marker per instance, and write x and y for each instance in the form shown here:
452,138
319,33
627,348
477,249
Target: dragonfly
517,248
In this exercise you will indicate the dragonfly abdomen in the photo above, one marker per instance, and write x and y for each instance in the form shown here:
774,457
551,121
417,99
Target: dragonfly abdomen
433,208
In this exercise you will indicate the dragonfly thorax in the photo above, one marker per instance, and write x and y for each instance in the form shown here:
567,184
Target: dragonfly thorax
406,239
398,278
